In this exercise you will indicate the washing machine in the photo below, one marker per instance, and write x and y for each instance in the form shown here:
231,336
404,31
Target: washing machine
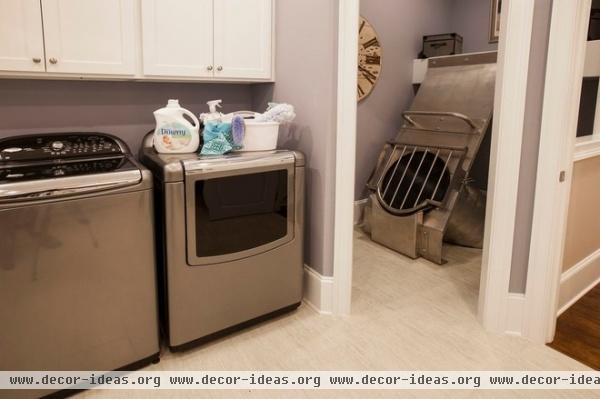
230,239
77,256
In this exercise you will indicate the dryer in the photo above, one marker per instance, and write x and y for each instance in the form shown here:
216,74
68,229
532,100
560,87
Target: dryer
230,239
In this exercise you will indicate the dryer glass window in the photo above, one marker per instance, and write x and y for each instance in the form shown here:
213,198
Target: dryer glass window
241,212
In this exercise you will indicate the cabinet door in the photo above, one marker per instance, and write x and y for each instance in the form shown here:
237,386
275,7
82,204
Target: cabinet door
89,37
243,38
21,37
177,37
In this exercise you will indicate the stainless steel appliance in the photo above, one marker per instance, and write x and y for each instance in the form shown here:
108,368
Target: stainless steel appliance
420,192
230,239
77,258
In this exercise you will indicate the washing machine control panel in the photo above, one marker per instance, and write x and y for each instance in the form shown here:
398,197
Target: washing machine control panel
74,167
58,146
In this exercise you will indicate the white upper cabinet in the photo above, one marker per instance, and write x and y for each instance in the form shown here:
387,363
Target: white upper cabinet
177,38
243,38
222,39
186,40
21,38
90,36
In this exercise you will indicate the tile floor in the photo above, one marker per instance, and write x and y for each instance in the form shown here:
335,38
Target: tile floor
406,315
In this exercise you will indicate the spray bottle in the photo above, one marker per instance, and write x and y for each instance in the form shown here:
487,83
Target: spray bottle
213,114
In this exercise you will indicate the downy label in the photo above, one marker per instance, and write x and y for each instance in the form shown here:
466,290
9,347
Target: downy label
174,135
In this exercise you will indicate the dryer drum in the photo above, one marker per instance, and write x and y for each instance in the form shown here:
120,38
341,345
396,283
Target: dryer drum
414,182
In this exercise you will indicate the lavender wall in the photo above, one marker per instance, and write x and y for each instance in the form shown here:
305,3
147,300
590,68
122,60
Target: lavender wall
306,76
306,68
471,19
121,108
400,25
530,145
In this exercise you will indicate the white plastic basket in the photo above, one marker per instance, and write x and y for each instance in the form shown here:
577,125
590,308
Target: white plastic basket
258,136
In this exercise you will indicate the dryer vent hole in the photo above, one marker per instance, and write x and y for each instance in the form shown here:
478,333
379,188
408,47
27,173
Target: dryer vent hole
412,180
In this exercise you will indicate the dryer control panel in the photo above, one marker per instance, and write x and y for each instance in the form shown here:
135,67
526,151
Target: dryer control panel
58,146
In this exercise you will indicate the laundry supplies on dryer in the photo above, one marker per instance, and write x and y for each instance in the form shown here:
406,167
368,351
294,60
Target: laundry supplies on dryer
174,134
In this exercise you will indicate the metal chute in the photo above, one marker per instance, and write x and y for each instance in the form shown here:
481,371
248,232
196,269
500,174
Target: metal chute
420,191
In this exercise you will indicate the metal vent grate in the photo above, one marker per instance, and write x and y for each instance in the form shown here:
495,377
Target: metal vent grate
416,177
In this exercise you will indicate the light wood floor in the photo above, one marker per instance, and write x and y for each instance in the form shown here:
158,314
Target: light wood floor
407,315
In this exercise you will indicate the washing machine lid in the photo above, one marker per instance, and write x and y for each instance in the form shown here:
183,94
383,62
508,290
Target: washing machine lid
53,165
44,181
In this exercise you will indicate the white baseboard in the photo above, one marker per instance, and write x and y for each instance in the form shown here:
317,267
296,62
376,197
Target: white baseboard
318,291
359,210
514,315
578,281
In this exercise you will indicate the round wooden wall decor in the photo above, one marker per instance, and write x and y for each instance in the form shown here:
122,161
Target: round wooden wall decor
369,58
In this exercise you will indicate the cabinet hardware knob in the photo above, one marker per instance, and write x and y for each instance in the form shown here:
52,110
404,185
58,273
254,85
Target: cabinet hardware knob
53,60
219,68
37,60
209,68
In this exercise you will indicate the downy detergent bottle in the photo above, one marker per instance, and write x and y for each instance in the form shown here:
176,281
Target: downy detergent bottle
174,134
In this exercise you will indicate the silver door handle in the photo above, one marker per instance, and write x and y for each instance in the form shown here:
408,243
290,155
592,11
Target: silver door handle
53,193
53,60
37,60
209,68
31,191
248,162
219,68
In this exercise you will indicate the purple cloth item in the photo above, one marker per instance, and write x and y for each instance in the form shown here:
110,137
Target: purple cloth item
238,128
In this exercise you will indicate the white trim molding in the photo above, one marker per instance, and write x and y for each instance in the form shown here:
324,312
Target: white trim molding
514,315
578,281
505,159
420,67
318,291
592,59
564,72
596,127
345,155
587,146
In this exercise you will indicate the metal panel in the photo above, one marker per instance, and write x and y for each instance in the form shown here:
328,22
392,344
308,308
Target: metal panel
448,118
77,283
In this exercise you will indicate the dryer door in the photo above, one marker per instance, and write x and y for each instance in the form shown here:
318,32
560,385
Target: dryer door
236,208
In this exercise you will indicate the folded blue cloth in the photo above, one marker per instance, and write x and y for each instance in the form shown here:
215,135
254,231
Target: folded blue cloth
218,139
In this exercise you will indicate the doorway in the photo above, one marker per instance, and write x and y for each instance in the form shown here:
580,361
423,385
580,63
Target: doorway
565,263
513,61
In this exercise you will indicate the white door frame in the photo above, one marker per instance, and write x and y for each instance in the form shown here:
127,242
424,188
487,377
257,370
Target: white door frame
498,308
564,74
495,299
345,155
532,314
